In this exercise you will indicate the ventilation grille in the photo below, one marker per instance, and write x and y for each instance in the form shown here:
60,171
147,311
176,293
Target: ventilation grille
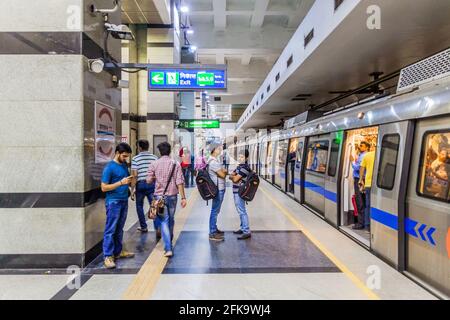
430,69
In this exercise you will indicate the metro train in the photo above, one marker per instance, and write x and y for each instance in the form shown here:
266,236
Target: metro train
410,195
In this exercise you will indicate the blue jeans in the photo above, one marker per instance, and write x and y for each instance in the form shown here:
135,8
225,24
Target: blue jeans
242,211
143,190
215,210
367,208
167,221
186,175
116,215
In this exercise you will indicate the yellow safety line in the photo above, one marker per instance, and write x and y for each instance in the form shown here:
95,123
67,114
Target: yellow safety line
145,281
360,284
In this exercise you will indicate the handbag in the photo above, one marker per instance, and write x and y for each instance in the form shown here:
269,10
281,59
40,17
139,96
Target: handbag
157,205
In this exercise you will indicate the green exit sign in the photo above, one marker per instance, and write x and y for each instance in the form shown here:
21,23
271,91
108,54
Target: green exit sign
205,79
198,124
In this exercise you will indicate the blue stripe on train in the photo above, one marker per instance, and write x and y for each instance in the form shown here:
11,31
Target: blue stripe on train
391,221
388,219
322,191
315,188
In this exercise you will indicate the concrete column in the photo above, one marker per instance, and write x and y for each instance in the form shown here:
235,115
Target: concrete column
161,109
130,119
51,211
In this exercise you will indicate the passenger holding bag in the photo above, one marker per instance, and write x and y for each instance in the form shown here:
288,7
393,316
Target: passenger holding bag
169,183
157,206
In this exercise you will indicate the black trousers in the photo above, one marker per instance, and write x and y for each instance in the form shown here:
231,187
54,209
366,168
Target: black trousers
360,202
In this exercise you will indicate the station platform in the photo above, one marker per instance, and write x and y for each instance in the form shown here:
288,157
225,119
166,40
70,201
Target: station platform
292,255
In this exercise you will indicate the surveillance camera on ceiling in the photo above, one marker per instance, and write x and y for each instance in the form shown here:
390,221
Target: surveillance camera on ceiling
121,31
96,65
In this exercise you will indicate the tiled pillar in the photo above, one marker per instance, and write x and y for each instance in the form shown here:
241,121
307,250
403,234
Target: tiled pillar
130,119
51,211
163,47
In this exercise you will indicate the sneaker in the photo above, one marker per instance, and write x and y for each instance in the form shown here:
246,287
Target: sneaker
168,254
109,263
220,231
143,230
125,254
245,236
216,237
238,232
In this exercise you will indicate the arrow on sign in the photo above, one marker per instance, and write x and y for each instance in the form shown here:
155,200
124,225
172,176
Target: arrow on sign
158,79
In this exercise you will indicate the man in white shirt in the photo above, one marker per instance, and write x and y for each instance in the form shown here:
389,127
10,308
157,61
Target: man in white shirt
218,174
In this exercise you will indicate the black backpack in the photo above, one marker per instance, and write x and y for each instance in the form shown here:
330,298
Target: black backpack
206,187
248,188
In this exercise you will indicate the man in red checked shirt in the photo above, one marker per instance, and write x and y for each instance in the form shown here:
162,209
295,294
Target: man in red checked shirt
159,172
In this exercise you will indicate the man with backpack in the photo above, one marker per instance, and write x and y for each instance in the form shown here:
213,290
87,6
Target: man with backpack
239,177
217,174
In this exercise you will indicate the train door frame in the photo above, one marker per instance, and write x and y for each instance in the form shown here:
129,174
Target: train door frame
315,187
290,174
279,175
341,209
386,200
333,182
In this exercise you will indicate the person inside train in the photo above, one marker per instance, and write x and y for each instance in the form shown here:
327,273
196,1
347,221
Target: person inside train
439,175
361,151
365,183
237,177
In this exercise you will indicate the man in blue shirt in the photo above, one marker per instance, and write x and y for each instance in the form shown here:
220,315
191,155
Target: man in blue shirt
115,182
239,176
359,197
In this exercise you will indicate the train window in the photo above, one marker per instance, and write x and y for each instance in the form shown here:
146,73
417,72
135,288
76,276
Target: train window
317,156
292,154
434,170
388,161
334,157
300,151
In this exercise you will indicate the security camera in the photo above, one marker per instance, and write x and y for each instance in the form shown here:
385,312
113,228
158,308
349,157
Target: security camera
121,31
95,10
96,65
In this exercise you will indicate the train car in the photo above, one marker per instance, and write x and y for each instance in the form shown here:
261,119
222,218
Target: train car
409,200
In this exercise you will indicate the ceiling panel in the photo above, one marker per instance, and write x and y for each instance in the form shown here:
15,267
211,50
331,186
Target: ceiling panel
238,21
140,11
278,20
201,5
237,5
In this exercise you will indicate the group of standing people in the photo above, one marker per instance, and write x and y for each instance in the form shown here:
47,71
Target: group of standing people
154,178
362,179
218,173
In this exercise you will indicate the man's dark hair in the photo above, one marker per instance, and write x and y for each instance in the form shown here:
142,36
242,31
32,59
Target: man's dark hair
123,147
164,148
366,144
143,144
